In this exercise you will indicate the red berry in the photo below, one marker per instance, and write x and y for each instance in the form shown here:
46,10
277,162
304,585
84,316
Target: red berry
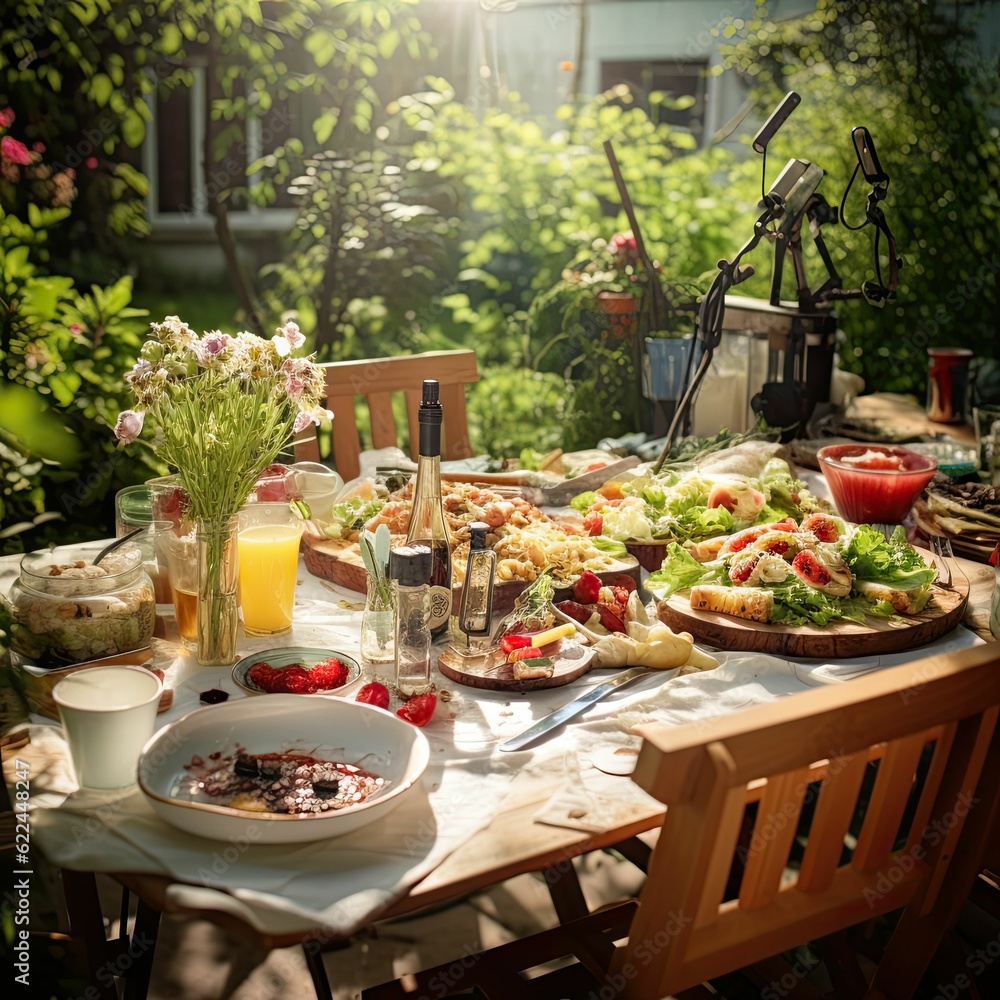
374,694
262,674
419,709
330,673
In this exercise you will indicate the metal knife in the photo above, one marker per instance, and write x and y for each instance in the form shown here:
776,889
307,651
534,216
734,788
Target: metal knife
575,707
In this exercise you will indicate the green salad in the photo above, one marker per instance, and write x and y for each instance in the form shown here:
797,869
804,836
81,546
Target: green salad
694,506
872,561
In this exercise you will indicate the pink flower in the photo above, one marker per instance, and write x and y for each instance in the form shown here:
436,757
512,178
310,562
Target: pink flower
290,331
215,342
281,345
294,386
14,151
70,173
38,147
129,426
75,328
91,162
6,117
303,420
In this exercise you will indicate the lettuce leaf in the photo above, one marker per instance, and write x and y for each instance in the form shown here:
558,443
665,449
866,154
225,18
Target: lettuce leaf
893,562
681,571
615,549
583,501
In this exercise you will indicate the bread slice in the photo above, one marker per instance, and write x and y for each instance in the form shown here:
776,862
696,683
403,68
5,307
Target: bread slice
753,603
906,602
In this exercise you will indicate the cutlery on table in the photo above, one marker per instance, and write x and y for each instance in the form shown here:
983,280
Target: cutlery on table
544,726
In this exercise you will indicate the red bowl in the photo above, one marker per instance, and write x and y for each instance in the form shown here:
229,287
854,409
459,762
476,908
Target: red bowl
875,483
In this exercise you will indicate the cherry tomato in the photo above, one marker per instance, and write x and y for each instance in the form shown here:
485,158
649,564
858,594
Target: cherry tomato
586,589
511,642
419,709
374,694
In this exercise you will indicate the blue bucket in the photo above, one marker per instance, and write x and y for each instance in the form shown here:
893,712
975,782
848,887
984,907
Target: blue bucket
665,366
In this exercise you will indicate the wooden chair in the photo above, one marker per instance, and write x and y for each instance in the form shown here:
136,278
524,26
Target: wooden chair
377,379
919,846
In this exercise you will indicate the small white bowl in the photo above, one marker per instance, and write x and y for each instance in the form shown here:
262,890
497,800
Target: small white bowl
328,728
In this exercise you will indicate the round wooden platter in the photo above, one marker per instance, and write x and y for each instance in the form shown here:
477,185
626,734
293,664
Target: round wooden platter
572,662
340,563
835,640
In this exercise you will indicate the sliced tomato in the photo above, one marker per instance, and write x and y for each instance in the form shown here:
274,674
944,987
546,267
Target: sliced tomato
374,694
532,653
511,642
419,709
594,523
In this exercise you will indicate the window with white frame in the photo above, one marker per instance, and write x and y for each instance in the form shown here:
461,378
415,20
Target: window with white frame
172,161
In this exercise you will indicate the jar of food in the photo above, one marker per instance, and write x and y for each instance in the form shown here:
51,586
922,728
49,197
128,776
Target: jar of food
65,610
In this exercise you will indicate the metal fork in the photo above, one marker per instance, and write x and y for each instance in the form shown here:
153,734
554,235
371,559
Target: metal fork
942,550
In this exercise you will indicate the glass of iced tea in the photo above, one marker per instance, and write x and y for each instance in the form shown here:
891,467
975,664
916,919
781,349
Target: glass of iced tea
268,543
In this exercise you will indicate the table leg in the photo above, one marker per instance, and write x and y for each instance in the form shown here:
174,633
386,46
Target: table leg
142,949
314,962
86,922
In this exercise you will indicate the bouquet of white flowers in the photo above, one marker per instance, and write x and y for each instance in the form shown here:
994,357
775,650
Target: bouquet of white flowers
221,408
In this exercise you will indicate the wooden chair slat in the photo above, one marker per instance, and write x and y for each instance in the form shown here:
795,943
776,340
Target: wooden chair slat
944,738
892,790
838,799
346,442
412,422
774,831
456,430
383,422
714,886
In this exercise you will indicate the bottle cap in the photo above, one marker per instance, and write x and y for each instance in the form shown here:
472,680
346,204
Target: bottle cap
478,531
430,392
410,565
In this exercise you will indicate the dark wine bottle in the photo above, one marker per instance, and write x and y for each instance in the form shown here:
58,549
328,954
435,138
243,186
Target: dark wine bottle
427,523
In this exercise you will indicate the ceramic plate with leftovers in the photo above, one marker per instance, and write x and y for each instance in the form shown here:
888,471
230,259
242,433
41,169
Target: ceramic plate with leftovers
300,769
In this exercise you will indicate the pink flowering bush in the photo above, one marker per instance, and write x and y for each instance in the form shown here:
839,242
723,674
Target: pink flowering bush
221,407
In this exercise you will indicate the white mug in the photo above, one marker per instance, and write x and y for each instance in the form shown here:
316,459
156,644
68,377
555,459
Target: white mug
108,714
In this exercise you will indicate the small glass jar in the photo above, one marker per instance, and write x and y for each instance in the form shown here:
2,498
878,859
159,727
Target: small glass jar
67,610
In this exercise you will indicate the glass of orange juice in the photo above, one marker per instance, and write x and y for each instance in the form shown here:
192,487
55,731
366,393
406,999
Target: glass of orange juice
268,543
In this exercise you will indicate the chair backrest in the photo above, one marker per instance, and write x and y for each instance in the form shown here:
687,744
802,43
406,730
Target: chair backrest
377,379
812,751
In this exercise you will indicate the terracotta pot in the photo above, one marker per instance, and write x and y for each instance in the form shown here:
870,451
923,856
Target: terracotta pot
621,308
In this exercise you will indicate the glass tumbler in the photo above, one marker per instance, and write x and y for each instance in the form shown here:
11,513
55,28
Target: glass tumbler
134,509
268,543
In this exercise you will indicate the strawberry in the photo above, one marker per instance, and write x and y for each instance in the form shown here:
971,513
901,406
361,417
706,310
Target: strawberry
419,709
329,673
262,674
374,694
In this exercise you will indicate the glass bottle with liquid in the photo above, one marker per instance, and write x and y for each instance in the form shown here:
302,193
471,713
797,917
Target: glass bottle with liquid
427,523
410,571
477,594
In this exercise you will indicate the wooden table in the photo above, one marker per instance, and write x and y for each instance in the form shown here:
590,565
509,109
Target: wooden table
512,844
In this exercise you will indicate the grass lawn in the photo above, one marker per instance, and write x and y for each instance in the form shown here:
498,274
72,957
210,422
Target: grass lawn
201,308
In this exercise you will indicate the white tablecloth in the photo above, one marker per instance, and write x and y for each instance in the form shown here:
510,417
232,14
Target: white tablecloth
344,883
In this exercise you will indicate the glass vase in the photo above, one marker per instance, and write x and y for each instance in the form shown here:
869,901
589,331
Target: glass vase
378,626
218,581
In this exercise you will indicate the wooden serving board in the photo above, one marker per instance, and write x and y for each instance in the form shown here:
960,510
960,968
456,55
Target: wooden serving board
573,661
340,563
836,640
